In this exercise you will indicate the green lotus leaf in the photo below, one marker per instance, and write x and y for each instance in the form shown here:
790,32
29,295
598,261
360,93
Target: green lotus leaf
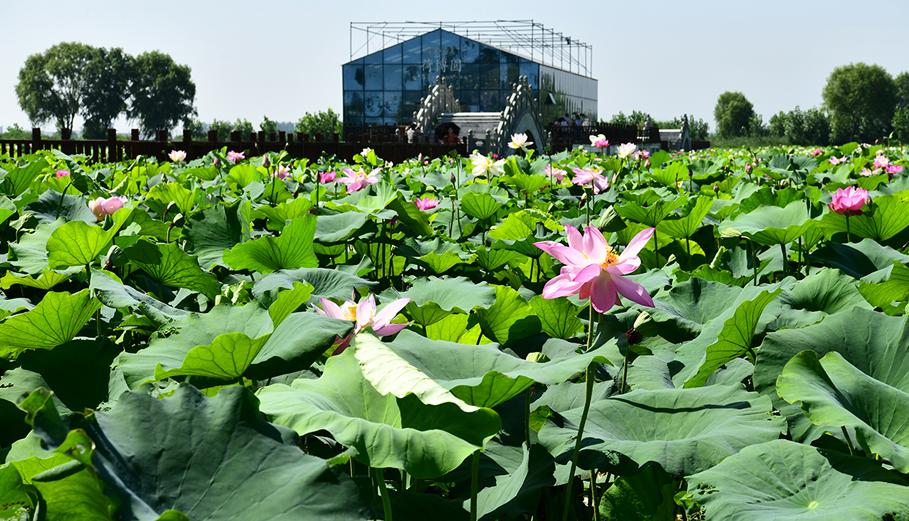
645,495
771,225
411,216
895,289
685,431
340,227
433,299
510,319
18,179
31,250
176,193
651,215
214,230
870,341
56,320
113,293
862,260
833,392
479,205
47,279
287,211
170,345
883,218
735,338
424,440
781,479
818,295
210,458
51,205
168,265
293,249
326,283
558,316
480,375
15,500
687,226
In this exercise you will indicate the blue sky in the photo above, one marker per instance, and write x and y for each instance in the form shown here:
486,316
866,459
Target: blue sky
282,58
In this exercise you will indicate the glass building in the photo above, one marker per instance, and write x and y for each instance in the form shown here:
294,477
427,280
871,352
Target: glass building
384,87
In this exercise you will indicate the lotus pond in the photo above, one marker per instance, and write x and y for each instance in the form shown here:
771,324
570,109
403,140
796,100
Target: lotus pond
713,335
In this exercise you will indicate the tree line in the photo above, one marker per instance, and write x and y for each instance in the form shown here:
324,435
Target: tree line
73,79
860,103
326,122
697,127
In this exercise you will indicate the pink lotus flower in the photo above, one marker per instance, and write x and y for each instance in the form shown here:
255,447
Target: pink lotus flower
894,169
102,207
592,175
282,172
327,177
233,157
177,155
426,203
849,201
599,141
867,173
593,270
817,152
364,314
881,161
834,161
641,155
551,171
62,173
357,180
626,149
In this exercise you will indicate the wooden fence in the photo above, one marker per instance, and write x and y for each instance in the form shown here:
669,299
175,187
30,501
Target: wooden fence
298,146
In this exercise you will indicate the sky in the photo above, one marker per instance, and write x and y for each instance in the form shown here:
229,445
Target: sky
282,58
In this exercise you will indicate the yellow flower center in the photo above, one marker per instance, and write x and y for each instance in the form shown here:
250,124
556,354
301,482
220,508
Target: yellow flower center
350,312
611,258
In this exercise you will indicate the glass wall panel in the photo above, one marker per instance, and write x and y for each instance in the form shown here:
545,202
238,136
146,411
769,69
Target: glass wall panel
470,100
392,54
409,104
374,103
353,104
470,76
489,101
489,76
353,75
374,58
470,51
413,79
532,71
508,74
374,75
489,54
412,51
393,75
392,106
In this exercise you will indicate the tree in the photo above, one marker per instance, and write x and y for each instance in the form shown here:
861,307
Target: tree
162,92
52,86
327,123
107,79
901,111
268,126
734,114
861,99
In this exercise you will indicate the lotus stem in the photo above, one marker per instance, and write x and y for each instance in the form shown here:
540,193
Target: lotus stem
593,494
62,198
785,259
588,395
848,441
848,235
386,502
753,260
527,416
474,484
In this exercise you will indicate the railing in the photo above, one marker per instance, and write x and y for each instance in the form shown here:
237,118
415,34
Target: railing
298,146
616,134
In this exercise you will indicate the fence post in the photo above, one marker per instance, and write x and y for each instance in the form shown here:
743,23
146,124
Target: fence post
213,136
282,136
112,145
36,139
162,135
336,137
134,135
